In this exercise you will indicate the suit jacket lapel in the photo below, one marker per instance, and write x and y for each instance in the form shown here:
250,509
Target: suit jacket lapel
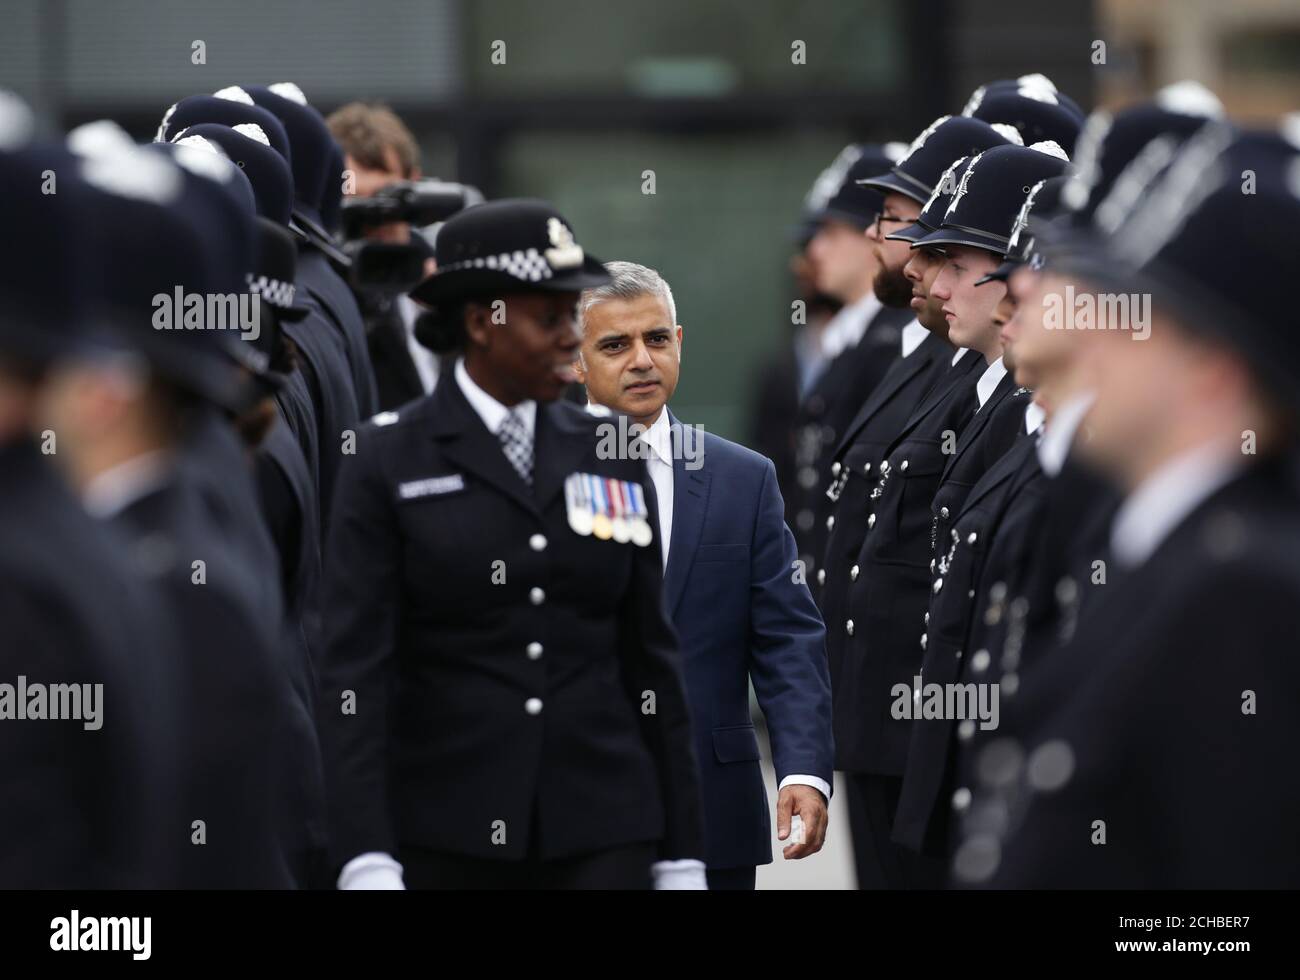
466,441
690,503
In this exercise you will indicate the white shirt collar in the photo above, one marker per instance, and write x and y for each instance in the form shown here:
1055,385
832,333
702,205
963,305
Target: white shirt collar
491,411
849,324
117,488
990,379
1151,512
1034,417
961,352
913,334
659,436
1058,437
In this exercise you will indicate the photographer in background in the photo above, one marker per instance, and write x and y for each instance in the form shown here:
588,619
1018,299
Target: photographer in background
380,151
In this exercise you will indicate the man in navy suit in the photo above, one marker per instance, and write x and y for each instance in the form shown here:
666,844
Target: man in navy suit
732,583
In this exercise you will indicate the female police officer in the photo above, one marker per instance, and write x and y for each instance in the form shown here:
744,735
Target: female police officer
501,700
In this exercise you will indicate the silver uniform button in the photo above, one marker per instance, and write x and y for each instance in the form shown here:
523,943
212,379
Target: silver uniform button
971,538
965,730
925,638
927,619
536,596
534,650
848,627
904,466
961,799
853,574
830,522
980,662
943,512
537,542
821,576
533,706
871,521
835,469
938,585
866,469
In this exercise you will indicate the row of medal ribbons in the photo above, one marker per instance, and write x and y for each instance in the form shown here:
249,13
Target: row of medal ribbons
608,509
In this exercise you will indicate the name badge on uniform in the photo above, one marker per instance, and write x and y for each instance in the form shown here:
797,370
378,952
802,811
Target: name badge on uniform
432,486
607,508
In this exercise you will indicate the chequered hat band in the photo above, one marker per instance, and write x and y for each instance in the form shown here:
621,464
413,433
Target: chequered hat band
277,292
528,266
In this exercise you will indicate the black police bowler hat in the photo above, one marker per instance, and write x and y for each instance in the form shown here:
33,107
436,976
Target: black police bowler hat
44,257
994,185
513,245
209,109
1035,82
1041,206
266,170
932,211
1109,143
930,154
1218,258
854,202
153,235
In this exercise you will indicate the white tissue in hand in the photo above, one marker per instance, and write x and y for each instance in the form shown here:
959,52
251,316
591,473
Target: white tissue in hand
796,830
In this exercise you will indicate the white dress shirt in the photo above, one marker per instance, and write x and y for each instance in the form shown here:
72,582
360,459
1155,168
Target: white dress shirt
848,325
1164,499
425,360
1034,418
961,352
913,334
118,487
990,379
491,411
1058,437
659,436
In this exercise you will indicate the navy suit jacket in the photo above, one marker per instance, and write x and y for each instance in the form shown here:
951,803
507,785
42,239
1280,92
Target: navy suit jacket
743,613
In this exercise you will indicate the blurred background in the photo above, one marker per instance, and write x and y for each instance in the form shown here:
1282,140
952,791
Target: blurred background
584,96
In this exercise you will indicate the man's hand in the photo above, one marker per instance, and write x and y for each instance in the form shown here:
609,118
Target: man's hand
811,806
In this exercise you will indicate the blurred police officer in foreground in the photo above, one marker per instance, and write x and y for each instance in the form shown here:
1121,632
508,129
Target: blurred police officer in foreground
1145,753
135,423
502,703
89,787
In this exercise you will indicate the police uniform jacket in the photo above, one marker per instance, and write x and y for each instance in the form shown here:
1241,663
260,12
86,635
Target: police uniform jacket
495,684
888,599
991,531
828,409
318,278
1164,717
858,455
82,809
